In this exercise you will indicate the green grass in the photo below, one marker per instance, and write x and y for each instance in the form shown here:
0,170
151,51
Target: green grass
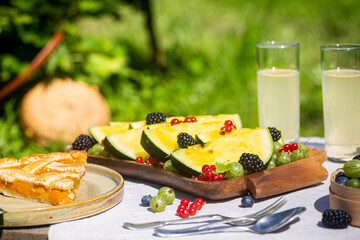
211,59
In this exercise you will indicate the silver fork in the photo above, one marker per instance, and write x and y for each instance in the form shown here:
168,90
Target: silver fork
246,220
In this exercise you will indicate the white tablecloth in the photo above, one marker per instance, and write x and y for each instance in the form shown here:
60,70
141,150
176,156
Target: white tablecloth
109,224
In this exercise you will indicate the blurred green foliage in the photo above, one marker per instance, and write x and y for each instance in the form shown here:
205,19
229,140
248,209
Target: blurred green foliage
209,47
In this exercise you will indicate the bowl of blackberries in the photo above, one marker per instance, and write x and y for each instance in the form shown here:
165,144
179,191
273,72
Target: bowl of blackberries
345,189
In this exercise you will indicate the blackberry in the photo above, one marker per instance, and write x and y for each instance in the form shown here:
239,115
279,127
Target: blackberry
251,162
357,157
185,140
335,218
275,133
155,117
83,142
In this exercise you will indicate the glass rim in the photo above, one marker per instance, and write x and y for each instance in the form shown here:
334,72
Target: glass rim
277,44
341,47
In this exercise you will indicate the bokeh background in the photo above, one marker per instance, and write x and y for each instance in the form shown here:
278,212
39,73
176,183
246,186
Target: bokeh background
180,57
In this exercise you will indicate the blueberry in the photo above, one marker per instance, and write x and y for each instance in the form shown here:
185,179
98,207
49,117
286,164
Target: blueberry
145,200
342,180
247,201
339,174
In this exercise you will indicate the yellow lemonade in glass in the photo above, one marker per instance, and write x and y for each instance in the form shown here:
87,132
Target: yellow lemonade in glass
341,103
278,101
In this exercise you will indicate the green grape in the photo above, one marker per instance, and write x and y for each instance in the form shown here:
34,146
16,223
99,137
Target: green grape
235,169
305,155
277,147
297,155
158,203
283,158
98,150
303,147
169,167
353,182
168,193
272,163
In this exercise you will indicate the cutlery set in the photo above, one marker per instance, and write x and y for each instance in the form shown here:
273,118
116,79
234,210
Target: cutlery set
263,221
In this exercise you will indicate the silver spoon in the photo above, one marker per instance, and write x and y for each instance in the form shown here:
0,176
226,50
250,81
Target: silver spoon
266,224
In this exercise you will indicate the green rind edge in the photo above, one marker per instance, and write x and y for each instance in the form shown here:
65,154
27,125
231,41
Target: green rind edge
96,134
114,150
153,150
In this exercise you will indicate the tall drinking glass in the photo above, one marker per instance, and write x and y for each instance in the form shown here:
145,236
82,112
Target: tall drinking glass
340,64
278,87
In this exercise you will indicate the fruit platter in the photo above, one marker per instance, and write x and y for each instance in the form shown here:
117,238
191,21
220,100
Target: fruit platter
212,157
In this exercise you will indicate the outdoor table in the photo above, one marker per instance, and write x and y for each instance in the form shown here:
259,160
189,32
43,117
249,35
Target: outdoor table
109,224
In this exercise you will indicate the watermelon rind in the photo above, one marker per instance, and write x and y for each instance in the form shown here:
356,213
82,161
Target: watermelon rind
126,145
189,161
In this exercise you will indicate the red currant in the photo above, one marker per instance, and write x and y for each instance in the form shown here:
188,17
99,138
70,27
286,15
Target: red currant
175,121
196,178
200,201
221,176
185,214
192,211
294,146
187,119
179,212
208,175
213,167
205,168
233,127
228,129
228,123
139,160
152,160
149,164
287,147
182,207
281,150
184,201
215,178
193,205
222,129
193,119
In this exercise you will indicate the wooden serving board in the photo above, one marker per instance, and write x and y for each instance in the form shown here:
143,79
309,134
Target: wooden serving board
289,177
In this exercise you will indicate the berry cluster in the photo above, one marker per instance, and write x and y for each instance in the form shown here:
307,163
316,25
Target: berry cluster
176,121
149,161
155,117
251,162
275,133
83,142
209,174
335,218
228,127
185,140
185,209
